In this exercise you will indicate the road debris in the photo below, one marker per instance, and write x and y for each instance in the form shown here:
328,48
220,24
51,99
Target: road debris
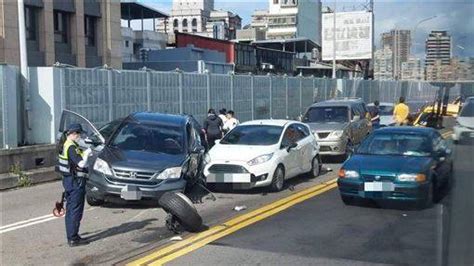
240,208
176,238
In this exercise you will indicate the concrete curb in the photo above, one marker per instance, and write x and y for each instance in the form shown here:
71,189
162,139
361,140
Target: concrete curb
41,175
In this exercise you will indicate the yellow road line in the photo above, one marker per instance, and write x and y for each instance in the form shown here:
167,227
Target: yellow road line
173,251
447,134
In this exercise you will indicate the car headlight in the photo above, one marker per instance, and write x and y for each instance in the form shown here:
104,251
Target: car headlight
170,173
337,134
411,177
102,166
260,159
348,173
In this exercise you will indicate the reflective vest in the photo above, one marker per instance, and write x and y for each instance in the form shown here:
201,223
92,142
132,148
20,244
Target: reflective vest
64,167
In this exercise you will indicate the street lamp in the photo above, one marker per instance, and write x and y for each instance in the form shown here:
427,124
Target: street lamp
419,22
334,42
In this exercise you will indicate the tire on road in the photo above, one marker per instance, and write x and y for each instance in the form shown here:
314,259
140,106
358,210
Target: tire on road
93,201
183,209
347,200
278,179
315,167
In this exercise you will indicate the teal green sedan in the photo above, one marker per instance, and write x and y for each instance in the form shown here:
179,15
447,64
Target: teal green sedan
404,164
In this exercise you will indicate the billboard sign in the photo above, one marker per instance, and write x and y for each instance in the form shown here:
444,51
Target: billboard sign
354,35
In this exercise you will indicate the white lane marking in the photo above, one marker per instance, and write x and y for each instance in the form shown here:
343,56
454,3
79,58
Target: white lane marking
30,222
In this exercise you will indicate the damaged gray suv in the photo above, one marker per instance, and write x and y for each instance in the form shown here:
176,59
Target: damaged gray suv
141,156
338,124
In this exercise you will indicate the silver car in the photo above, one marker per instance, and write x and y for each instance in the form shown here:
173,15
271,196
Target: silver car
338,124
464,128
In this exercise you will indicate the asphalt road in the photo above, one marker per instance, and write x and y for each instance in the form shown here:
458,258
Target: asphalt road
323,231
29,235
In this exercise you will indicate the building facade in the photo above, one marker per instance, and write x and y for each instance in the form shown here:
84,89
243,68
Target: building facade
383,63
458,69
399,41
438,47
287,19
412,69
224,23
74,32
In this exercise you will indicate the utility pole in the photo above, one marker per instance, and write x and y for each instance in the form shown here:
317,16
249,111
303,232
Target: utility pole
334,42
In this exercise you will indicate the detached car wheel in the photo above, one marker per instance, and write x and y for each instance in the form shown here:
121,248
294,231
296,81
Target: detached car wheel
178,205
93,201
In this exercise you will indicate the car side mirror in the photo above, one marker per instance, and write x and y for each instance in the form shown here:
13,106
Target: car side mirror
291,146
92,142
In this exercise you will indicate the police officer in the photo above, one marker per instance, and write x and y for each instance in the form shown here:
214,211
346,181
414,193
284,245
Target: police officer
72,165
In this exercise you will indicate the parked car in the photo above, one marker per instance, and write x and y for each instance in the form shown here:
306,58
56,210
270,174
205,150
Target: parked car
263,153
464,128
385,113
141,156
406,164
338,124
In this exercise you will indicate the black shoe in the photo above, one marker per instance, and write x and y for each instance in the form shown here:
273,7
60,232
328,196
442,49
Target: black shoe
78,242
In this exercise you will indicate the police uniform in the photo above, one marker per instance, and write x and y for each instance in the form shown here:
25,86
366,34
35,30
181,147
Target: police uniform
74,185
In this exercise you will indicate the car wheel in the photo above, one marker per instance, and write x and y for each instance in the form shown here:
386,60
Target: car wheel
315,167
347,200
93,201
430,197
178,205
278,180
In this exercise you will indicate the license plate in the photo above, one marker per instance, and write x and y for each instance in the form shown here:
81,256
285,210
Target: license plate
131,193
229,178
379,186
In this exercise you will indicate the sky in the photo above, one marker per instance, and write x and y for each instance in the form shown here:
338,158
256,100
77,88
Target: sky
455,16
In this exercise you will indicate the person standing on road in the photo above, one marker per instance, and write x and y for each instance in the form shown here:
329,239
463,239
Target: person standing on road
231,121
72,164
401,112
375,115
212,127
223,115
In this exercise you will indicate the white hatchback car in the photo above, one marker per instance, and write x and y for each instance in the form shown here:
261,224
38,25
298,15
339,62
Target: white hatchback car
263,153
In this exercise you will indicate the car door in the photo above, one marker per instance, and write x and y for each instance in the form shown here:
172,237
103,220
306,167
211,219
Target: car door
305,155
290,157
355,125
443,163
91,137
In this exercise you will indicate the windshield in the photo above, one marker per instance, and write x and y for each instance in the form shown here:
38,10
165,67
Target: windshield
468,110
396,144
150,137
253,135
327,115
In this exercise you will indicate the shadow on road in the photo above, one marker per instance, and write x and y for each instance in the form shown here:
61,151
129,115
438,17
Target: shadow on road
118,230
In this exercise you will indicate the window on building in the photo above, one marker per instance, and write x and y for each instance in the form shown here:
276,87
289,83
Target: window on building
61,27
185,25
127,44
275,2
194,24
89,30
175,24
31,23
